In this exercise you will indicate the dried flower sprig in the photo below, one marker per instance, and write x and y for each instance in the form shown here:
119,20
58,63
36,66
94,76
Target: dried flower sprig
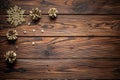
11,35
53,12
35,14
10,57
15,16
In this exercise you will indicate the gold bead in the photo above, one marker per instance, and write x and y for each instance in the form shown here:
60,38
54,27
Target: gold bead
24,32
33,30
42,31
29,24
33,43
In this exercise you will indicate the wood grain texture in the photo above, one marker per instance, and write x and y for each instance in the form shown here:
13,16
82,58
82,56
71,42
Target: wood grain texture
83,43
66,6
63,68
66,25
63,47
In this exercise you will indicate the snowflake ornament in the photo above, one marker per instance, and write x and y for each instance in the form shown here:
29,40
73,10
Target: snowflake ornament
15,16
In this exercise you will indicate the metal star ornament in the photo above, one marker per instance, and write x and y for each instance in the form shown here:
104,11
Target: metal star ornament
15,16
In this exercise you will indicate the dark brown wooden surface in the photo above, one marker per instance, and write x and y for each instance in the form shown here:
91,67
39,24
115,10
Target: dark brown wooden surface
63,68
66,6
82,43
66,25
63,47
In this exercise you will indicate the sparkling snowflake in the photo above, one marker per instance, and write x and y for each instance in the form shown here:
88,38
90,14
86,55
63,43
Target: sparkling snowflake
15,16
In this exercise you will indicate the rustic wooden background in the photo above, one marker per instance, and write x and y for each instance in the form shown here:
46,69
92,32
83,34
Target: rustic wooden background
82,43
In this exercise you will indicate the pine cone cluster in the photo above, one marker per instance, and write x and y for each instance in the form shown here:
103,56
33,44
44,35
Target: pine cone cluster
53,12
35,14
10,57
12,35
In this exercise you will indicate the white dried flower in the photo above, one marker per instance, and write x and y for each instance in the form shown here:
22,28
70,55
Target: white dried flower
10,57
53,12
35,14
11,35
33,43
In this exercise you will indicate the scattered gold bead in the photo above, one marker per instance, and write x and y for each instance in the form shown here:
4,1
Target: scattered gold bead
24,32
33,30
33,43
42,31
29,24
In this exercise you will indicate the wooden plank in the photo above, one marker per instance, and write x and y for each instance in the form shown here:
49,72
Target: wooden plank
63,47
63,68
66,25
66,6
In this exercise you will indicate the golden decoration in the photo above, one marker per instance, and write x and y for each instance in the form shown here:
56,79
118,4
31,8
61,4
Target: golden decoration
33,43
15,16
53,12
10,57
35,14
11,35
42,30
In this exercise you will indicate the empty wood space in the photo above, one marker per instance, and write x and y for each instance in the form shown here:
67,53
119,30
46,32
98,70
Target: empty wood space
63,47
66,6
62,68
